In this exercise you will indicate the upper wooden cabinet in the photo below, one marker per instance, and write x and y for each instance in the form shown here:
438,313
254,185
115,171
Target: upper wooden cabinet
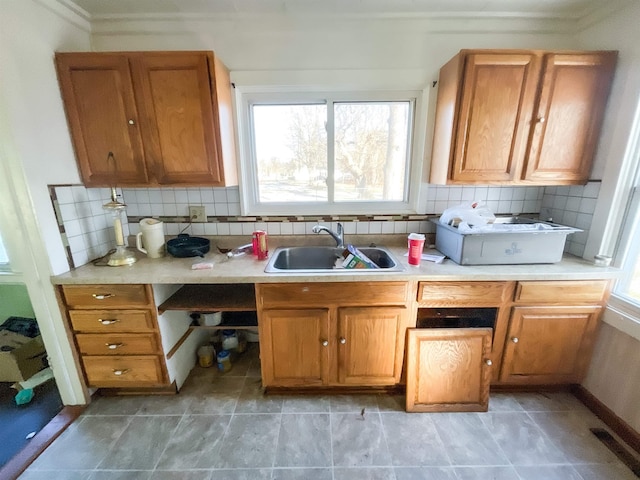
519,117
166,116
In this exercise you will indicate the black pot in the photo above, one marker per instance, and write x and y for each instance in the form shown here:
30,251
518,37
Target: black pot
186,246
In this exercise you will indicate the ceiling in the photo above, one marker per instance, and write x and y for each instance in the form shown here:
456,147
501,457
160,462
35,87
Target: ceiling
562,9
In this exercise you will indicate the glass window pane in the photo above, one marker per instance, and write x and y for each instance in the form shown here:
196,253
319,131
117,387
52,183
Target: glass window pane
291,152
4,259
371,142
634,285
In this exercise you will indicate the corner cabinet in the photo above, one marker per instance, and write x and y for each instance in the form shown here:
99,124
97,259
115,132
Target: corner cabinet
166,116
332,334
519,117
552,331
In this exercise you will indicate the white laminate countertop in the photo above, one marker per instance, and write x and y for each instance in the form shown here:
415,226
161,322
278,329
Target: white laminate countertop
246,269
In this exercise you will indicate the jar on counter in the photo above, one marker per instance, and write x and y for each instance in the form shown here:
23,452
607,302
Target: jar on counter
224,361
229,339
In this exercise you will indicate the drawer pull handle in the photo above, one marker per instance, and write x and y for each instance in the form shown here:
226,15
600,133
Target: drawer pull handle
119,373
343,340
108,321
305,289
113,346
488,362
515,339
102,296
325,343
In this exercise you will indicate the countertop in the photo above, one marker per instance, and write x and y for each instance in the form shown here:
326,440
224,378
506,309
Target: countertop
247,269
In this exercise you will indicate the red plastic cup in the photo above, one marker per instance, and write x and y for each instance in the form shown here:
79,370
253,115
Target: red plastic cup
416,245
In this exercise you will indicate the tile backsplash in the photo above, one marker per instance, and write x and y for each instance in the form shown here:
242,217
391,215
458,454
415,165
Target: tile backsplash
572,206
88,231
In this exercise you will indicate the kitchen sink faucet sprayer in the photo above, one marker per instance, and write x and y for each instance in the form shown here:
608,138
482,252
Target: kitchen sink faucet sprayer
337,236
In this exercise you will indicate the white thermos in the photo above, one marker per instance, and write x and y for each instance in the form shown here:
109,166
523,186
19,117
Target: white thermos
150,239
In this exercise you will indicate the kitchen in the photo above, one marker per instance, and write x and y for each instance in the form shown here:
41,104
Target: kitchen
405,48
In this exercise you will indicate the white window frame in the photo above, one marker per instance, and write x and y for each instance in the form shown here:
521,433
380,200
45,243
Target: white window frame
246,97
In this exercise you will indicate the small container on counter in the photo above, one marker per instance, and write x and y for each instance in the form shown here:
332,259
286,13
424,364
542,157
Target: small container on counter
224,361
259,241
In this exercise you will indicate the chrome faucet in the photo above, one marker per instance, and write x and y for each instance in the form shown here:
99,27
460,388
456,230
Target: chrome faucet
337,236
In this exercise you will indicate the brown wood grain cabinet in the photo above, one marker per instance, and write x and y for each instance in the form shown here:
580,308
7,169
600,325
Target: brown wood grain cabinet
115,330
332,334
552,331
519,116
448,369
166,116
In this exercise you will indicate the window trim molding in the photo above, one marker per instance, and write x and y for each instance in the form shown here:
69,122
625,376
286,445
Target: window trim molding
249,95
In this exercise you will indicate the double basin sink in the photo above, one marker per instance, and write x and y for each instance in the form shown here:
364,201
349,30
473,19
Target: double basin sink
319,259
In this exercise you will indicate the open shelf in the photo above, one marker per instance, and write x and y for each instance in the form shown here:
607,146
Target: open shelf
212,297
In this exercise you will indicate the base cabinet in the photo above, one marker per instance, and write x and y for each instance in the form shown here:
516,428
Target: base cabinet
116,335
294,347
368,345
549,345
335,334
448,369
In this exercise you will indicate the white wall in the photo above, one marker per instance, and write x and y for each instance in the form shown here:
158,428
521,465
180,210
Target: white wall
35,150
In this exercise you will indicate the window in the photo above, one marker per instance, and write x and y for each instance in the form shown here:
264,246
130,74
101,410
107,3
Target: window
328,154
4,258
628,286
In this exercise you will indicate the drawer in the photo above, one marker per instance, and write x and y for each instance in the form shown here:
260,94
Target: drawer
463,293
108,321
326,294
117,371
106,296
118,344
561,292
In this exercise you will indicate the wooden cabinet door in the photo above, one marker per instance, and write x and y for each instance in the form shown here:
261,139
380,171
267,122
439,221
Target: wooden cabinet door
569,114
294,347
448,370
547,345
101,112
498,92
370,345
175,94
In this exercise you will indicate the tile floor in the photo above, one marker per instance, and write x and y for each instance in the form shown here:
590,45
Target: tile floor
221,427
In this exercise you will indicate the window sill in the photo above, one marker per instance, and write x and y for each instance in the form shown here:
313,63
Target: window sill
623,316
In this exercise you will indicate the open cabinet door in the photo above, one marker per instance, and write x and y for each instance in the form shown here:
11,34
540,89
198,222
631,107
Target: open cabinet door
448,369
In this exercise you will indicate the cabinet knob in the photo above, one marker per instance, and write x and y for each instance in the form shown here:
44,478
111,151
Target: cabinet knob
108,321
119,373
325,343
343,340
132,122
102,296
488,362
541,119
515,339
305,289
113,346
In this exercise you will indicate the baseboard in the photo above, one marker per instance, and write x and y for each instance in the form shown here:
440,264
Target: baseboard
52,430
604,413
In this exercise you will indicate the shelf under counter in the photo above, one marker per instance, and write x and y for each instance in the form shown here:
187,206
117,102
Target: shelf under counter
234,297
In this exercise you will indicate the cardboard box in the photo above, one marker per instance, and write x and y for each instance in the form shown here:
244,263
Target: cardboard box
20,357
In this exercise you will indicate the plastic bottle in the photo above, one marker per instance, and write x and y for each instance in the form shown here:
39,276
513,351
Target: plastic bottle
229,339
224,361
206,354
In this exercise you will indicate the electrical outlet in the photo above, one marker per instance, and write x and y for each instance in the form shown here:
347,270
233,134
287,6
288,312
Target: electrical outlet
197,213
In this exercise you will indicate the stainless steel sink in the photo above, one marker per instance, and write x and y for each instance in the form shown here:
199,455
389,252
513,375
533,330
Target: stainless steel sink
320,259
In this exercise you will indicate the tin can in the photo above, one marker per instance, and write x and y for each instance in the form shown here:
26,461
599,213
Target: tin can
259,241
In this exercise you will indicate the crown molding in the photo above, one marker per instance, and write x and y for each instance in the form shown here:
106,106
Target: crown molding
106,25
68,11
600,12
